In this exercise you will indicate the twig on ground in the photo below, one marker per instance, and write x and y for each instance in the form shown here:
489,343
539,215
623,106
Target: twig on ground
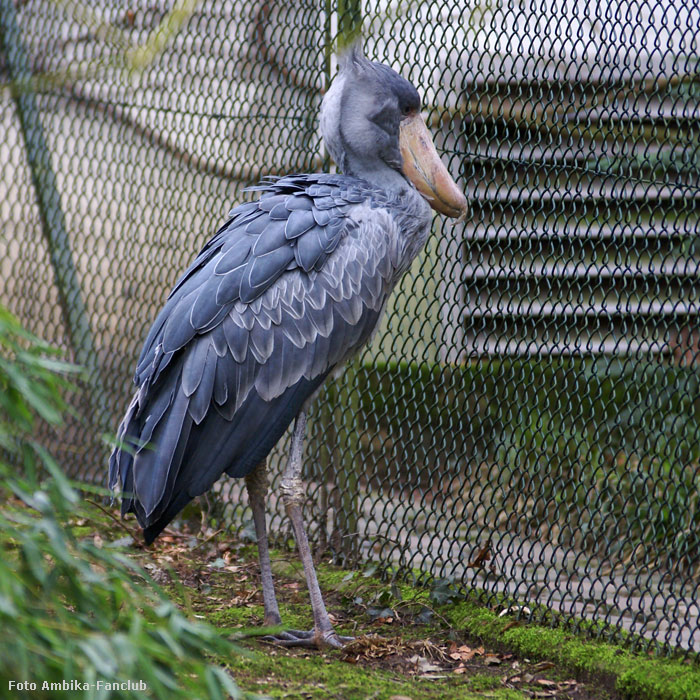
208,539
119,522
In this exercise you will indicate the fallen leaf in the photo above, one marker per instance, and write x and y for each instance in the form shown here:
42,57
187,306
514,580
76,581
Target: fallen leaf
542,666
483,555
519,677
491,660
423,665
463,653
383,621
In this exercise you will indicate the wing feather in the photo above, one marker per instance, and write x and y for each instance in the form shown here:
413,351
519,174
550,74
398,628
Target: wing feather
272,237
235,257
308,249
261,343
224,369
218,338
236,339
194,366
299,221
150,482
201,400
264,270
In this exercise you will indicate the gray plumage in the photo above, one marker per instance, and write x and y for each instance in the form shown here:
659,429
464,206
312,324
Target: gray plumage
288,289
283,294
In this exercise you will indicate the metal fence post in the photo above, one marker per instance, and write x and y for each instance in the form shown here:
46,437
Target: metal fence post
349,20
346,403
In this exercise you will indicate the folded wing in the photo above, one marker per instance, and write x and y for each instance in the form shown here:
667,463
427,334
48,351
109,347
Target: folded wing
288,289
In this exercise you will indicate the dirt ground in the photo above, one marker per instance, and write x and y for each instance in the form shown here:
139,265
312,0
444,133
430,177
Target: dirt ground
405,646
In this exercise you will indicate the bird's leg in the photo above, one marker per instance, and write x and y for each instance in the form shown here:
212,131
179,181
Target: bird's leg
323,634
256,483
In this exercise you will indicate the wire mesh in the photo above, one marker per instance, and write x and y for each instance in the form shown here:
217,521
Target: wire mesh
527,420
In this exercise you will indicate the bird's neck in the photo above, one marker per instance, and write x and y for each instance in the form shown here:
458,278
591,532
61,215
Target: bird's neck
377,173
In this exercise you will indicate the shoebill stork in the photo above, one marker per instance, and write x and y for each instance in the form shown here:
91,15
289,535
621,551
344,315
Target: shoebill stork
290,288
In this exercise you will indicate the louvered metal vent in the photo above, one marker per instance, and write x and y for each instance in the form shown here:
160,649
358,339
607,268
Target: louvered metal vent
584,181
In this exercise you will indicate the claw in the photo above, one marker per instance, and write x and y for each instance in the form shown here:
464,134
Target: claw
336,641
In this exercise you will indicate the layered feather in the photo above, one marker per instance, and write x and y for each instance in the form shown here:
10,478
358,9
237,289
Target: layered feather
286,291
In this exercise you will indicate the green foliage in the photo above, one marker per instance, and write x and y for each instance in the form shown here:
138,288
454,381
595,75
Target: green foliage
579,449
633,676
32,381
70,608
444,591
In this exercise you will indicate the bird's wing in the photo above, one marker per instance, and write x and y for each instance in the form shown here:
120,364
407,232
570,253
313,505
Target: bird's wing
286,290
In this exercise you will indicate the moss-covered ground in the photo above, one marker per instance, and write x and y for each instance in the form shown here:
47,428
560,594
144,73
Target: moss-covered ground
407,646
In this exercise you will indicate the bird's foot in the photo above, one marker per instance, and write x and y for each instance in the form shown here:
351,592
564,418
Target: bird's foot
312,639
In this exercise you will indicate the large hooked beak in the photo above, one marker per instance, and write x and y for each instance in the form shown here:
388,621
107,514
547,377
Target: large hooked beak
423,167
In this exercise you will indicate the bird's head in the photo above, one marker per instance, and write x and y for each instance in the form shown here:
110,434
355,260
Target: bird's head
371,124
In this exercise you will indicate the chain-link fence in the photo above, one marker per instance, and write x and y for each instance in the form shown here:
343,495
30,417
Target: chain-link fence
527,421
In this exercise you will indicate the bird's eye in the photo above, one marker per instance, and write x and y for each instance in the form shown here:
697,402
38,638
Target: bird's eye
405,110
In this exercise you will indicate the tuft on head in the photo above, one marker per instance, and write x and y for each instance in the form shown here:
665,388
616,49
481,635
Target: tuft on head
361,112
352,56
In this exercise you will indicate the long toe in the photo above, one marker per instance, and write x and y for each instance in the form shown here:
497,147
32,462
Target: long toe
309,640
291,638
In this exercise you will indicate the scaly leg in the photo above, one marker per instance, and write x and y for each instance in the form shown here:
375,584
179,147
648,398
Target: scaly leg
323,634
256,483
